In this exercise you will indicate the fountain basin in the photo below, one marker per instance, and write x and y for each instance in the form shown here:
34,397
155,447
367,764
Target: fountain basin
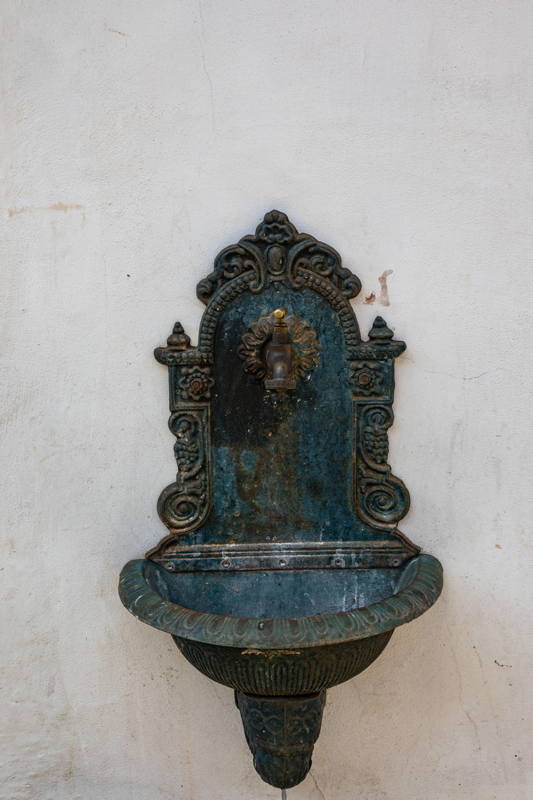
230,633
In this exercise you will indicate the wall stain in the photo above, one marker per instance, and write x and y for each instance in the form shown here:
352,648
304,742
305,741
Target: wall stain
65,207
13,212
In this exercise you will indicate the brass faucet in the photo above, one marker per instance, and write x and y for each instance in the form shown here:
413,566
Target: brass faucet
279,355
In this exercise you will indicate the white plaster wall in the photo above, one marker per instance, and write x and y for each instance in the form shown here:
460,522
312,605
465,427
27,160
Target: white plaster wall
139,137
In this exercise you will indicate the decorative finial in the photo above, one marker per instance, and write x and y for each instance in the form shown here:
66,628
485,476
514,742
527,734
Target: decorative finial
178,338
380,331
276,228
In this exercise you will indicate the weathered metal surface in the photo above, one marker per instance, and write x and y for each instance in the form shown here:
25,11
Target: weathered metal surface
299,671
278,468
289,555
281,733
283,572
144,589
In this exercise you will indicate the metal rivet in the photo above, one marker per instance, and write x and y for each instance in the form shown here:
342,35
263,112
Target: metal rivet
226,562
395,562
261,626
338,562
171,567
282,562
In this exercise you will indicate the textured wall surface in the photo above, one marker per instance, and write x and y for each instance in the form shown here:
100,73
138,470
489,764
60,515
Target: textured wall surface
141,136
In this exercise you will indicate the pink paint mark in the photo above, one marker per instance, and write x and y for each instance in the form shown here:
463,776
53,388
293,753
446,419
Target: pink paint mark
384,293
369,298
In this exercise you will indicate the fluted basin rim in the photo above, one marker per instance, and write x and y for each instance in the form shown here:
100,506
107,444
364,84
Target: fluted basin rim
418,589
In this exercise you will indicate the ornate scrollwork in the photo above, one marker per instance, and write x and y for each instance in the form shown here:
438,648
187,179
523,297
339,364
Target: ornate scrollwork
302,336
322,260
278,252
381,498
230,263
184,504
375,422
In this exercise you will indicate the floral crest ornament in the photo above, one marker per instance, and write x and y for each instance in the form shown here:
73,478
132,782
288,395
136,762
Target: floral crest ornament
196,383
368,379
276,229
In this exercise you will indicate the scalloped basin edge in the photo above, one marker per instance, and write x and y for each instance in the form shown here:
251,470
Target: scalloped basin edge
142,589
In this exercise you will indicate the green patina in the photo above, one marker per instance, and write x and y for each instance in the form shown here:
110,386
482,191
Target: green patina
283,571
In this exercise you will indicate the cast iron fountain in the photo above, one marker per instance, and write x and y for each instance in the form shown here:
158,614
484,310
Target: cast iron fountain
283,572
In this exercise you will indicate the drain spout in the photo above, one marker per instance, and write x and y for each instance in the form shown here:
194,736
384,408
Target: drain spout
281,733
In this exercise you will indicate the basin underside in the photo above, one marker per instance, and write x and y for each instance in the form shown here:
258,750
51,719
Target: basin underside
284,672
